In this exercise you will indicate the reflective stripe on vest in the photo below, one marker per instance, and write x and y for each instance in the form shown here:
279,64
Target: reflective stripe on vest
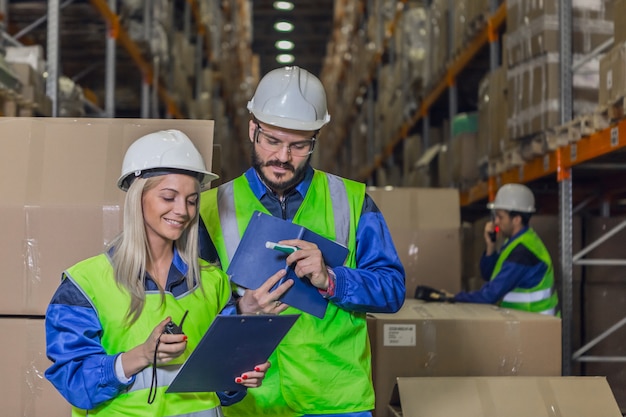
230,230
549,312
527,297
339,199
215,412
165,376
226,206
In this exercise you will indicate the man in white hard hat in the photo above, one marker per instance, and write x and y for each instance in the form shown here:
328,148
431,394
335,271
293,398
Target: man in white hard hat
322,367
520,276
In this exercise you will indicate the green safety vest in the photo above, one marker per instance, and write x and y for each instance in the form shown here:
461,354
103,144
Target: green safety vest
95,278
322,366
541,298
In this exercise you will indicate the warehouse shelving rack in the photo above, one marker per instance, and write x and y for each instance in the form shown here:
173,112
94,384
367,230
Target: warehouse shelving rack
154,86
487,35
557,163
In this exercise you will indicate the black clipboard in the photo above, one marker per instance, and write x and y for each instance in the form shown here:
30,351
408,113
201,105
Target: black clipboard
232,345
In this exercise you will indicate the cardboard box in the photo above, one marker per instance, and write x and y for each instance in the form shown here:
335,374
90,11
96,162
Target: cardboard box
418,208
425,226
505,397
613,75
441,339
533,96
619,21
61,203
533,28
25,391
492,115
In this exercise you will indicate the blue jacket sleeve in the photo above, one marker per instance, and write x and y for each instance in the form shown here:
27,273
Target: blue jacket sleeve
377,283
81,370
231,397
487,265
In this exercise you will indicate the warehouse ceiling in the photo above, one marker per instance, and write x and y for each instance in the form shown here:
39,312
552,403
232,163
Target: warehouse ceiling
313,22
83,42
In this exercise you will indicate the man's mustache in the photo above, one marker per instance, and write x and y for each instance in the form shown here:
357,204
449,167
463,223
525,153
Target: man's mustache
279,164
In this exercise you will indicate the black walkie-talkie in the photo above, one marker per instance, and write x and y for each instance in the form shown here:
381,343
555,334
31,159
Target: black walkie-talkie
172,328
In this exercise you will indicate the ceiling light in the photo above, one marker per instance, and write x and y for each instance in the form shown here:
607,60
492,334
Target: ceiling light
283,26
283,5
285,58
284,45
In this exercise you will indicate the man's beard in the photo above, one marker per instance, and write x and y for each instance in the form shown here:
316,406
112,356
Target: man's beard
298,174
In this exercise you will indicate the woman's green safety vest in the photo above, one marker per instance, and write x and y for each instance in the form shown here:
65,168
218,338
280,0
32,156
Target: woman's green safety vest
540,299
323,365
95,277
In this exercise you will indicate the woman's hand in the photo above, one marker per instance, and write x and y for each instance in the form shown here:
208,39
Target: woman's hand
253,379
165,346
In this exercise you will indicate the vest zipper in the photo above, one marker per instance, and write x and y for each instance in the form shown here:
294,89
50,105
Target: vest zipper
283,206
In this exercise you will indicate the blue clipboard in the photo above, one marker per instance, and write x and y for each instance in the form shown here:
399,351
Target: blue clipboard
253,263
232,345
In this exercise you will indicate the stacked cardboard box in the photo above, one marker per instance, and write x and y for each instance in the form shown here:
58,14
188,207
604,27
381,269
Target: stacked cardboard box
532,57
504,397
492,115
60,205
441,339
463,142
25,391
425,227
613,75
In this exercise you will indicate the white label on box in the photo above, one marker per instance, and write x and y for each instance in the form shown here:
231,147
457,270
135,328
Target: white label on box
399,335
609,79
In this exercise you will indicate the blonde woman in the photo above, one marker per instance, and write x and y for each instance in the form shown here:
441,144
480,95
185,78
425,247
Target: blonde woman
106,325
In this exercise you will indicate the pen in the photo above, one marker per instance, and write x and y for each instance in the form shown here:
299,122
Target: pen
283,248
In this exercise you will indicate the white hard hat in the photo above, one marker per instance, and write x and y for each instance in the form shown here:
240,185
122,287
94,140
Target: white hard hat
163,152
292,98
514,197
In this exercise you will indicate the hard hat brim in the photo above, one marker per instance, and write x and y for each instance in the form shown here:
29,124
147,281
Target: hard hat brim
492,206
123,183
292,124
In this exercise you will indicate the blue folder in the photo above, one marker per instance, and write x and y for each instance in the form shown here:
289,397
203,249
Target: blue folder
253,263
232,345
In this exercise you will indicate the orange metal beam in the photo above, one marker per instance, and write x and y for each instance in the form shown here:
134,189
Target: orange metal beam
135,53
563,159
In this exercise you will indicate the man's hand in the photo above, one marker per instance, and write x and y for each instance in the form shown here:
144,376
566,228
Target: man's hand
261,300
309,262
490,245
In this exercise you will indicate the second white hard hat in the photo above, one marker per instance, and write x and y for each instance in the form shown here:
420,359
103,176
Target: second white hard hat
292,98
514,197
163,151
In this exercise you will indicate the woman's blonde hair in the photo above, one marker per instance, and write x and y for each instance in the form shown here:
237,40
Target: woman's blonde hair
131,251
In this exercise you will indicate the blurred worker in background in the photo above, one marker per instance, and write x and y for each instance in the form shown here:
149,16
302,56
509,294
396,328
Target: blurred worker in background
323,366
520,276
105,324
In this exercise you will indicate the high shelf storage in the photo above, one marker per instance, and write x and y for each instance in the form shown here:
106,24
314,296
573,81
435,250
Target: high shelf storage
573,166
157,59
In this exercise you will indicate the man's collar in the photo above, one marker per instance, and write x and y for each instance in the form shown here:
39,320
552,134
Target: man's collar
259,188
